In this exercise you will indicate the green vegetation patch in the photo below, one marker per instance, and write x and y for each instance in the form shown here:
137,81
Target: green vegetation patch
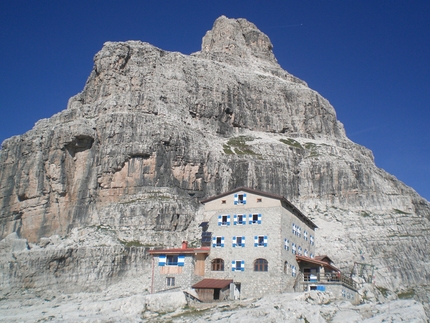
310,146
407,294
384,291
291,142
365,214
133,243
400,211
238,146
227,150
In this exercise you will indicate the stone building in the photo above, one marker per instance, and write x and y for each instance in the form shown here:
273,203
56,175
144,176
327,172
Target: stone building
255,237
177,268
253,244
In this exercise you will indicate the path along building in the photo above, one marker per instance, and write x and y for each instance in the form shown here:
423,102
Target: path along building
253,244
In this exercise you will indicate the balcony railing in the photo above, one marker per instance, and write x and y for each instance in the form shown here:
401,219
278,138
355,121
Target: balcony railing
330,278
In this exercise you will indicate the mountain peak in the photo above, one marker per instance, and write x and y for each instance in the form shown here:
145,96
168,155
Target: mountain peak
230,38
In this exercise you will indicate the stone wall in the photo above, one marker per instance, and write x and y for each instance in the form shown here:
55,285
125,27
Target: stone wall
184,275
276,224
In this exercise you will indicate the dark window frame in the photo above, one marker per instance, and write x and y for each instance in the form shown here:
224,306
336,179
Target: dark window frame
261,264
172,260
217,264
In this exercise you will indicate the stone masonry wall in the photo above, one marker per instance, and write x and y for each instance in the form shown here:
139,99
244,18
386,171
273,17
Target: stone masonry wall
184,275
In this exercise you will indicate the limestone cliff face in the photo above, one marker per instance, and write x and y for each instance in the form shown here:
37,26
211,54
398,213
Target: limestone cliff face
153,131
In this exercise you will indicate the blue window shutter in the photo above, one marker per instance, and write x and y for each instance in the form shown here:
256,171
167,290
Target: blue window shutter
250,219
244,219
259,218
294,229
233,265
213,242
242,265
161,260
244,198
243,241
219,219
265,241
181,260
222,242
228,219
234,242
235,219
235,199
255,241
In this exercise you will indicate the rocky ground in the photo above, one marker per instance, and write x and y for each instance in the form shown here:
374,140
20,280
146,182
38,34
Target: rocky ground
119,304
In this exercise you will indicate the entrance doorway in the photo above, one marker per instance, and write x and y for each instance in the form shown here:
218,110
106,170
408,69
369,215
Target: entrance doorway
216,293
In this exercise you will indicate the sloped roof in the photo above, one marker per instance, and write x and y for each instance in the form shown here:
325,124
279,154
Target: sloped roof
296,211
316,262
179,251
322,257
209,283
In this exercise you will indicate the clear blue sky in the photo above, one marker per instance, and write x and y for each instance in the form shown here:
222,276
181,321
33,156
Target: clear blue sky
370,59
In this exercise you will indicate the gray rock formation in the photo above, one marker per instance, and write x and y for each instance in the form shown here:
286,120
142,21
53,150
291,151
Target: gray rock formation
153,131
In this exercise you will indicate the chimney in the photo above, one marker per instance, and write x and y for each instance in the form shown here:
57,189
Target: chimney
184,244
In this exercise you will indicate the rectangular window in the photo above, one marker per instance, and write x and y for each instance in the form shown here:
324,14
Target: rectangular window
223,220
223,202
255,219
218,242
172,260
241,219
170,281
260,241
238,241
238,265
287,244
293,270
239,199
259,200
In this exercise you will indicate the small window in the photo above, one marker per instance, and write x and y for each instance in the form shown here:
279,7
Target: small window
259,200
238,265
240,219
240,198
218,241
224,220
223,202
260,241
286,267
218,264
172,260
170,281
255,219
261,265
238,241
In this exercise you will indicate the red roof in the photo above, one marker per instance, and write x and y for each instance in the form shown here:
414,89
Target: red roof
210,283
179,251
316,262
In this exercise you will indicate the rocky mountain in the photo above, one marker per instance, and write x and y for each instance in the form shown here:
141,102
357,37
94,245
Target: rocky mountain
153,132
